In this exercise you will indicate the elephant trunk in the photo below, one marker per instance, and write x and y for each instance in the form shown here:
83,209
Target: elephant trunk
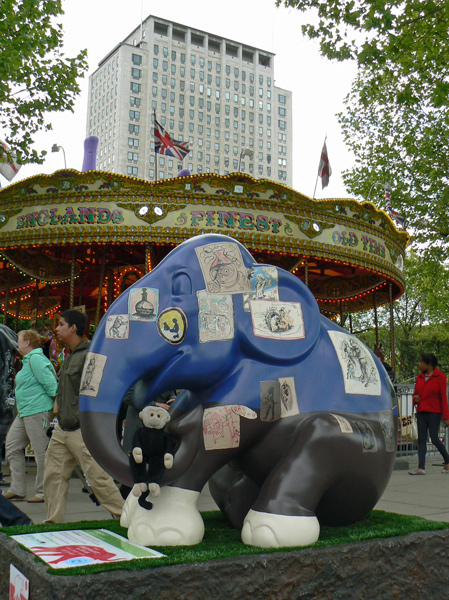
105,446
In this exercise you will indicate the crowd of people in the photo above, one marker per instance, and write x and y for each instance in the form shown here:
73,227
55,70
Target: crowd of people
41,395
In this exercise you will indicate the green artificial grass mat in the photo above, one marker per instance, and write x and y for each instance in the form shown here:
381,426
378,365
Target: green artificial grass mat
222,541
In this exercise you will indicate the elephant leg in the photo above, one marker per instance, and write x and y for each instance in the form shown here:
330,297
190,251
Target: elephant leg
173,521
234,493
322,462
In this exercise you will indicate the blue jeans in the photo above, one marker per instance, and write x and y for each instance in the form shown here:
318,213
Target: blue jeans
428,421
11,515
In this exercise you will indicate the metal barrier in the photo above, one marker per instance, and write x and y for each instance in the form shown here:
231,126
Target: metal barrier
404,393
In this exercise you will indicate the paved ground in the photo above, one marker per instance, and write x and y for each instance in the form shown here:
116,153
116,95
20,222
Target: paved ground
425,496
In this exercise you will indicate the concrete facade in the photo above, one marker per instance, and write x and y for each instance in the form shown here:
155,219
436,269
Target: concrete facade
217,94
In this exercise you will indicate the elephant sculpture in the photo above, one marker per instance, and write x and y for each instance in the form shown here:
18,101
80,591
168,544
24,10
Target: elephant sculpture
290,417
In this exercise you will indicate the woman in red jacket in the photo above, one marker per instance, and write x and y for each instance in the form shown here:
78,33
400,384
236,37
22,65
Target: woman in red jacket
430,397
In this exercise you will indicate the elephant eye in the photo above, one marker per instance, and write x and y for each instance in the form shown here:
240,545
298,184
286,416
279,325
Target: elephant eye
181,285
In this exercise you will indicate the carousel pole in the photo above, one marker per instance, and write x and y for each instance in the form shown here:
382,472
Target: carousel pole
36,303
44,309
350,323
16,325
100,286
392,358
5,318
80,301
376,322
147,259
306,273
110,286
72,278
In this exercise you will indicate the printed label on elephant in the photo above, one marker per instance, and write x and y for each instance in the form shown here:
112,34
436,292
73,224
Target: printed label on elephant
345,425
386,419
215,317
244,411
172,325
359,370
117,327
143,304
277,320
369,443
221,428
92,373
264,285
289,401
270,400
223,268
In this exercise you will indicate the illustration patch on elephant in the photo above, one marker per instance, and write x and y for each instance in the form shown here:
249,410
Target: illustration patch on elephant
215,317
221,428
92,373
277,320
223,268
244,411
264,285
270,400
345,425
289,401
117,327
143,304
172,325
386,419
359,370
369,443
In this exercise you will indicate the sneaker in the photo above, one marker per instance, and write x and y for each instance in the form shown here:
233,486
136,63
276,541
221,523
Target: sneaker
35,499
417,472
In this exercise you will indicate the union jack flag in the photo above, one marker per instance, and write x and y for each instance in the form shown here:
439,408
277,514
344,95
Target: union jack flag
164,144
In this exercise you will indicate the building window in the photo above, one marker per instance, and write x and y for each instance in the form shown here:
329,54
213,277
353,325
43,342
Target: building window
282,124
136,73
133,157
134,115
137,59
136,87
282,99
134,101
132,171
282,111
133,143
133,129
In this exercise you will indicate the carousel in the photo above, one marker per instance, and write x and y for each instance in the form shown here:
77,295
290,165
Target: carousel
79,239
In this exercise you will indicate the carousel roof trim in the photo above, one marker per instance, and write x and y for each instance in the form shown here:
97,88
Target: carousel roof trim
289,195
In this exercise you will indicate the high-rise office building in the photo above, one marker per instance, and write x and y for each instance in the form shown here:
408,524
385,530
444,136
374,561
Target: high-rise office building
217,94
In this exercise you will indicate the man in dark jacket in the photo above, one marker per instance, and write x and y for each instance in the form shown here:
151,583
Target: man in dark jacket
8,351
66,446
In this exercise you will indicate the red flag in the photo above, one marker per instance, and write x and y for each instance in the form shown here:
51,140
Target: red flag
324,168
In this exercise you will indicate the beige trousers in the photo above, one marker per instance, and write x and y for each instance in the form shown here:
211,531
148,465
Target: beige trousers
66,448
23,431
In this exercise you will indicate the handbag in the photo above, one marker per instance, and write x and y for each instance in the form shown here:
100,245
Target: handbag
414,426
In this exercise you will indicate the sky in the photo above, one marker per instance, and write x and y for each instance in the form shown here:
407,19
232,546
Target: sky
318,85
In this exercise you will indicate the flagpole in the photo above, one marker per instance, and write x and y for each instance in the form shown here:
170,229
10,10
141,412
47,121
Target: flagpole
318,174
155,153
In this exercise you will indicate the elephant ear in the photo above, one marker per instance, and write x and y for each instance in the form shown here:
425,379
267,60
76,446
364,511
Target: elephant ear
280,331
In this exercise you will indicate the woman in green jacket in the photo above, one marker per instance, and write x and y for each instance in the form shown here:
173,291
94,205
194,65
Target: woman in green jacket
36,386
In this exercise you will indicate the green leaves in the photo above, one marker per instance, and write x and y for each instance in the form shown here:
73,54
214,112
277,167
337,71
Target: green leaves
35,76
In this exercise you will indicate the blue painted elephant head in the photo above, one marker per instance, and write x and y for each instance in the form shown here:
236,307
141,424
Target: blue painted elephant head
288,413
